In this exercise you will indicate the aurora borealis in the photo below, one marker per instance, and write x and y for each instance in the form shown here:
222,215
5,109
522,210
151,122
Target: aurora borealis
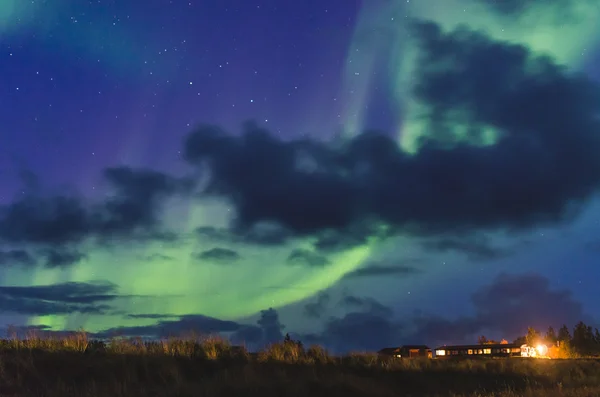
176,167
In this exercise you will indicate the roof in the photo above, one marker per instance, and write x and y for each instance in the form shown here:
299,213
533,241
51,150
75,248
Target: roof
388,350
480,346
420,347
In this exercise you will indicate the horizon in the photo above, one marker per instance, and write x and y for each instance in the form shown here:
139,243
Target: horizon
354,175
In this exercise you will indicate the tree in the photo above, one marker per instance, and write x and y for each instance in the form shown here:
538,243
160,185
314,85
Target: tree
533,336
596,342
583,340
521,340
563,334
288,340
550,336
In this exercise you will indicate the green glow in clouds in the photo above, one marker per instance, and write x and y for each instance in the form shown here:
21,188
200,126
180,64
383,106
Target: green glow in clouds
165,279
562,29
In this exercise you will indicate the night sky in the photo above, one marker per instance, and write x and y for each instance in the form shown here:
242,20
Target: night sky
359,174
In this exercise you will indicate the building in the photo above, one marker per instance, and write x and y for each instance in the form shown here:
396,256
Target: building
407,351
486,350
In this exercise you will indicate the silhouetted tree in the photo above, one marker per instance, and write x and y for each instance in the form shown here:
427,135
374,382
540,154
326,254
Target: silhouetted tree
596,342
583,340
288,339
532,337
482,340
521,340
563,334
550,336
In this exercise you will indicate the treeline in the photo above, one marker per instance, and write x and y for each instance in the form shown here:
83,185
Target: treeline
582,341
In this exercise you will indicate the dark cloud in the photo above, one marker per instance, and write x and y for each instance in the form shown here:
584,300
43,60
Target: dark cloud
219,255
69,219
368,305
152,316
137,200
157,257
543,166
260,234
506,307
62,298
250,336
367,326
16,258
58,257
359,331
476,249
184,325
382,269
304,257
271,326
318,307
502,309
268,329
514,8
332,240
56,220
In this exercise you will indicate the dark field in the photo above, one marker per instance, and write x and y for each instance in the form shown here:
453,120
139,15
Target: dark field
74,366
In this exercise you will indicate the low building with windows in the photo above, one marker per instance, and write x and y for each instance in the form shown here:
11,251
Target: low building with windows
485,350
407,351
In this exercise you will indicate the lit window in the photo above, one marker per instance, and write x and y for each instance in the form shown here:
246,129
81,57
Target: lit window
470,351
440,352
487,351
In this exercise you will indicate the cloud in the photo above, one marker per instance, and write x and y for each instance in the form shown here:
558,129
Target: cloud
63,258
367,326
260,234
183,325
152,316
360,331
515,7
542,167
268,329
502,309
219,255
331,240
64,298
317,308
369,305
506,307
476,249
17,257
304,257
381,269
157,257
271,326
133,210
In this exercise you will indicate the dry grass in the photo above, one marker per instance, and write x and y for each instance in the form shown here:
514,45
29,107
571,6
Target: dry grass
208,366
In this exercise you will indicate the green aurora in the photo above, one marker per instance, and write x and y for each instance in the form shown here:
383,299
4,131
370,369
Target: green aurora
175,283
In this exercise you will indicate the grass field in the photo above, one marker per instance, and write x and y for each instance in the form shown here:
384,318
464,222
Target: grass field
75,366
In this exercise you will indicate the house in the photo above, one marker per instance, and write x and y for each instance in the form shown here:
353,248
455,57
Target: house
481,350
407,351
